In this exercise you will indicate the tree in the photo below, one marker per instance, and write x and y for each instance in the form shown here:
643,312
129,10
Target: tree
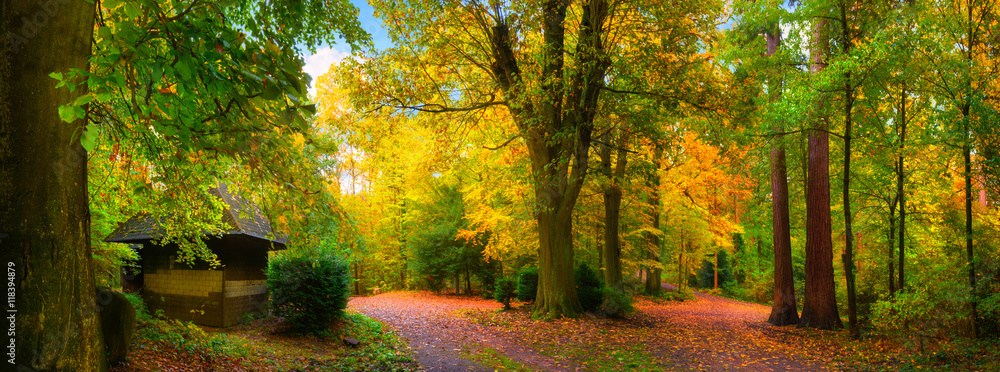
614,171
546,65
43,206
820,306
105,76
783,308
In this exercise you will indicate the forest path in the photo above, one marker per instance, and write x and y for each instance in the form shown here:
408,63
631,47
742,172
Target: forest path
709,334
441,339
721,334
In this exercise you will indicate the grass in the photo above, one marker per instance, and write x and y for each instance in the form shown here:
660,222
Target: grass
264,345
493,358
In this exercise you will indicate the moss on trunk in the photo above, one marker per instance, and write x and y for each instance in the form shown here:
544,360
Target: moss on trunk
43,188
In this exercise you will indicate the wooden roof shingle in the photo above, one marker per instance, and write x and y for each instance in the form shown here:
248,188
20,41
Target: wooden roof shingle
241,216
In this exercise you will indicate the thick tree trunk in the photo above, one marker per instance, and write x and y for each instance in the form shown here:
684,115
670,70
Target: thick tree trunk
43,189
820,306
653,281
556,287
783,308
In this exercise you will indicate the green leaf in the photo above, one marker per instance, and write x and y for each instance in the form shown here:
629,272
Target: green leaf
89,138
67,114
271,92
56,75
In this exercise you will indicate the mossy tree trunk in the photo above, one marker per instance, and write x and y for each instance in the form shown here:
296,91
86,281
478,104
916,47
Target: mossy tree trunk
43,187
614,170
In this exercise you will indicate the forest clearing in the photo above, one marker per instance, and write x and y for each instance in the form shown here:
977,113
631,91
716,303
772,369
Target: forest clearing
344,185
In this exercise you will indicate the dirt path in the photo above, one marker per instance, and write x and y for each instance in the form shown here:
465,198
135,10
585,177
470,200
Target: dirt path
721,334
438,335
709,334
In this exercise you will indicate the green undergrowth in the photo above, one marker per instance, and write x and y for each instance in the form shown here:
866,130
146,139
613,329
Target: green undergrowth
269,344
594,358
493,358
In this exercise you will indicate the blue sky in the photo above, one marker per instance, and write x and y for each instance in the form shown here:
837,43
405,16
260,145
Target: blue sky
319,63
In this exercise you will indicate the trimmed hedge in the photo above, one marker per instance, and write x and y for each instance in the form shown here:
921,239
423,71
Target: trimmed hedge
309,291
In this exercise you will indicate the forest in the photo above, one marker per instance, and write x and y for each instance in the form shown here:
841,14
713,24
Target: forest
791,185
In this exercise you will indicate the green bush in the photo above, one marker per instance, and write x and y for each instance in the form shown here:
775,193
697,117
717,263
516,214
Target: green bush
674,295
617,302
503,292
527,284
309,291
141,312
589,288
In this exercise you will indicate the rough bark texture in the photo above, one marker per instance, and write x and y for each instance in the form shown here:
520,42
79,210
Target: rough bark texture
783,308
614,170
653,281
557,129
819,309
43,188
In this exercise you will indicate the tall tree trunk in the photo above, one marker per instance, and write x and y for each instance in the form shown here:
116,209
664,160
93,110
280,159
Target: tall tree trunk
653,281
468,281
900,193
848,257
783,308
680,266
614,170
892,246
44,213
967,154
820,305
556,128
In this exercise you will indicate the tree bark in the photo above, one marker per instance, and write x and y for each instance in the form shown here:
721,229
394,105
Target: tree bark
820,305
556,127
783,308
900,193
614,170
557,290
653,281
44,209
967,154
892,246
848,258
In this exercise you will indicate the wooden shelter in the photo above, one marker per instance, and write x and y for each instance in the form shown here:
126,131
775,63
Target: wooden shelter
217,297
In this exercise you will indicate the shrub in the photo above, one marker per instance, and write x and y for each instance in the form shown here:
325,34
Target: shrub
617,302
503,292
589,288
309,291
675,295
141,312
527,284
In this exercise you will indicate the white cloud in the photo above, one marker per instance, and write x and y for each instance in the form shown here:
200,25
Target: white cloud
319,63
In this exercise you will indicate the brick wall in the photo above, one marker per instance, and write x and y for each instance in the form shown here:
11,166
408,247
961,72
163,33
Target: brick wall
224,294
